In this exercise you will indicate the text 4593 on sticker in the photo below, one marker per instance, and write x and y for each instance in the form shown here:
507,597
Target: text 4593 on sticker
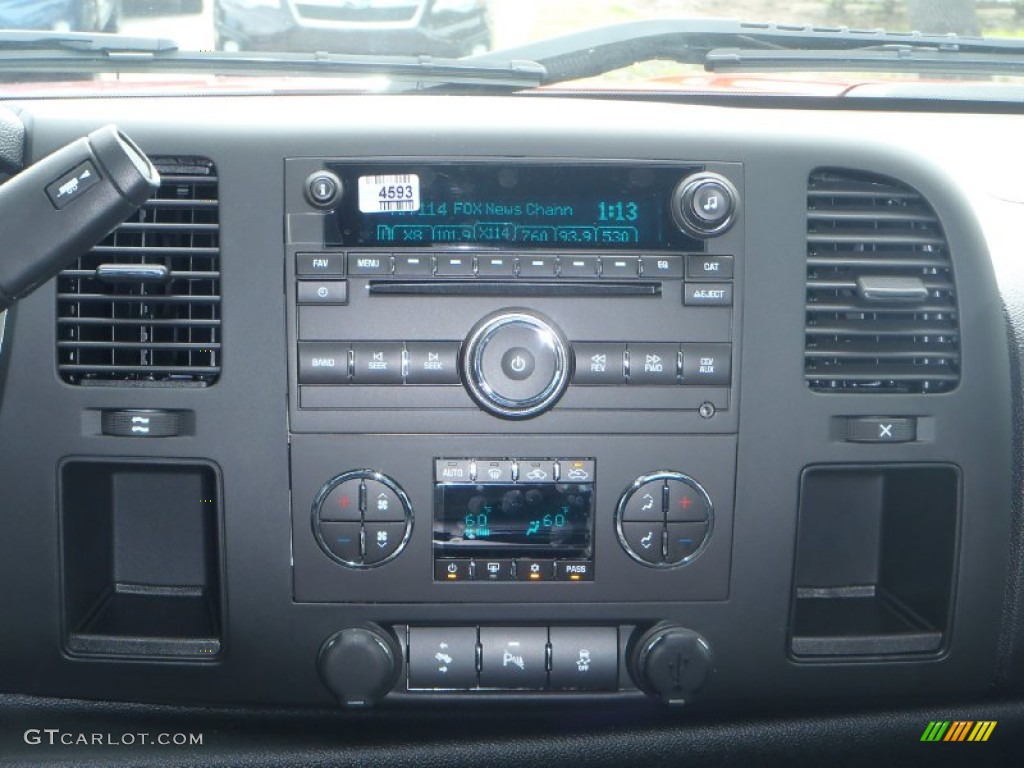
389,194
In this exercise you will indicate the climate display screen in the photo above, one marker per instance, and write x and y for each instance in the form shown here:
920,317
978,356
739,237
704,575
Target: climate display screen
520,520
508,206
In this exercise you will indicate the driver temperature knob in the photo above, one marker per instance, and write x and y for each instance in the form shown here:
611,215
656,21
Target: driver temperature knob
516,363
360,664
670,663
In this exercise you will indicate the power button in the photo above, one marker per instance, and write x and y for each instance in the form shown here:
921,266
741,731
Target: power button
518,363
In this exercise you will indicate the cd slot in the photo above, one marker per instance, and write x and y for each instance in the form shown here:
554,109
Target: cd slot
651,289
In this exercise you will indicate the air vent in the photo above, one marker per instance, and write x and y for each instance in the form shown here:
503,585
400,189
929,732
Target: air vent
143,307
881,301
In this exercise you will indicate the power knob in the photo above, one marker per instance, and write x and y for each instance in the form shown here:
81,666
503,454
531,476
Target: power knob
360,664
670,663
705,204
515,363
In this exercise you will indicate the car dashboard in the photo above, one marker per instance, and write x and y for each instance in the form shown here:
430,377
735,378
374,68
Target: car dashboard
611,429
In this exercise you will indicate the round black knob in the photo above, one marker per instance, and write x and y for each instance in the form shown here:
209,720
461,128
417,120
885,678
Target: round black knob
670,662
323,189
705,204
515,363
360,664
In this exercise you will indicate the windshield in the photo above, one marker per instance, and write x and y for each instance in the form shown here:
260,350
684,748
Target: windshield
241,30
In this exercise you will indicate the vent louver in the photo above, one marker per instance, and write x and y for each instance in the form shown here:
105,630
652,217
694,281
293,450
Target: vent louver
881,300
143,306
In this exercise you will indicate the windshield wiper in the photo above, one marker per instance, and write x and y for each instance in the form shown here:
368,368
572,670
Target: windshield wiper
720,45
89,54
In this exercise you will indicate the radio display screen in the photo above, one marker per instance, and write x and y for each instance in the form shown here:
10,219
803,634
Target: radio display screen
522,206
515,520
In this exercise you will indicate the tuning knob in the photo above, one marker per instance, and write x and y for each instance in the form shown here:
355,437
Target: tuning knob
705,204
360,664
670,663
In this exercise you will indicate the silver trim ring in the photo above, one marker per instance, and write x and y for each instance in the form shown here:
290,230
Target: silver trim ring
477,384
663,474
360,474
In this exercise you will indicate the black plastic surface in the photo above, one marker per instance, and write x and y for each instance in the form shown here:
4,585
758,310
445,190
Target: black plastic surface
767,430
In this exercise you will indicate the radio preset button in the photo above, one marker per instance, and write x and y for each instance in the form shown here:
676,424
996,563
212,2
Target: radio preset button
369,264
323,363
620,266
432,362
644,540
708,365
537,266
342,503
578,266
414,265
501,265
664,267
653,364
599,364
377,362
701,267
513,657
454,265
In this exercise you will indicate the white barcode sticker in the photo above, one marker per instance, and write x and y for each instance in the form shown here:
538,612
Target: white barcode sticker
389,194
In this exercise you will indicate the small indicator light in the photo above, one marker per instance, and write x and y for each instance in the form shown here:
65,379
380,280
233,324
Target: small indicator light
534,575
574,577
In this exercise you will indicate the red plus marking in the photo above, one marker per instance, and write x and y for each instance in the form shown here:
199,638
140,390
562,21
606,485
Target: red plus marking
344,502
686,502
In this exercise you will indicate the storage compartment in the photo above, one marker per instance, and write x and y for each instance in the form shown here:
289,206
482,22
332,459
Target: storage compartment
875,560
141,548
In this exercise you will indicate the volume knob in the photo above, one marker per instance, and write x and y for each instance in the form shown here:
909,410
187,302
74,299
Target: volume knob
705,204
516,363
